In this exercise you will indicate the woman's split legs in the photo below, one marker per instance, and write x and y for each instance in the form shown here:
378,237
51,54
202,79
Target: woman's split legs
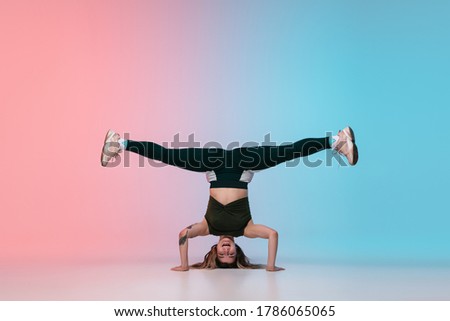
254,158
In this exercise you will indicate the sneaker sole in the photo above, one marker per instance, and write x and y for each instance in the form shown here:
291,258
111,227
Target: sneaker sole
355,155
103,156
349,133
354,149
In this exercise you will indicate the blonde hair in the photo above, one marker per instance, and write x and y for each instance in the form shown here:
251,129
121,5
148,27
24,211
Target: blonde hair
211,261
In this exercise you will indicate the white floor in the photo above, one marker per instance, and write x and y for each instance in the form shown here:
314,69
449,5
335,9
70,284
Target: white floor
154,281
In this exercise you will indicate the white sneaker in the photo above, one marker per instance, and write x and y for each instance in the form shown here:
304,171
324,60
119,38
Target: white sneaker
111,147
345,145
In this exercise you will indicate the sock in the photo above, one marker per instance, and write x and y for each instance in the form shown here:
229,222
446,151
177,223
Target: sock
123,143
333,139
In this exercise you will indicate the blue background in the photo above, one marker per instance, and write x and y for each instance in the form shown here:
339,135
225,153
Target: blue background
299,69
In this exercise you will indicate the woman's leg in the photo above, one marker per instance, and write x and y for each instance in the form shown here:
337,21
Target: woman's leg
262,157
193,159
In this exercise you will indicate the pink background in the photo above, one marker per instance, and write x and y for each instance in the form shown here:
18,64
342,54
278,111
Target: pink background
70,71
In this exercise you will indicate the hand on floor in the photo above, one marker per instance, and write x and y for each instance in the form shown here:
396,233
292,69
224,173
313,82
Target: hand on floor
180,268
274,269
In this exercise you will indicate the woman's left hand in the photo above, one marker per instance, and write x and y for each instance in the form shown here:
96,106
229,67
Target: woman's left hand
274,268
180,268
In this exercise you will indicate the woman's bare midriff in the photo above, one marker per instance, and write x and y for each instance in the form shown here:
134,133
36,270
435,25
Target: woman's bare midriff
227,195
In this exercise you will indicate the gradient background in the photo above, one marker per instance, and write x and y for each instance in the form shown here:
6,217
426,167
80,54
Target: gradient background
224,71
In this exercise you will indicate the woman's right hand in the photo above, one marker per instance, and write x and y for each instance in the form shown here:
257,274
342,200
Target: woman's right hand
274,269
180,268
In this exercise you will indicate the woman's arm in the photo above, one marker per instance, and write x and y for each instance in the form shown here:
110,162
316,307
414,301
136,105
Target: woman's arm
262,231
196,229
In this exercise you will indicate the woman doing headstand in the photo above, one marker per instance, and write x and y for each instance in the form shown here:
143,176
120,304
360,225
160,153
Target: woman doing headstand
229,172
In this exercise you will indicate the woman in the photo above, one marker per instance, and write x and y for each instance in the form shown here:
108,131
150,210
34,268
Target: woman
229,172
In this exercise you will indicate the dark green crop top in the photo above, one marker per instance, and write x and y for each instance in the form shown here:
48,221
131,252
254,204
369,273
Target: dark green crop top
230,219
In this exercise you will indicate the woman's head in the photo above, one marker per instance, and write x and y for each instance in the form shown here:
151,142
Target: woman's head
225,254
226,250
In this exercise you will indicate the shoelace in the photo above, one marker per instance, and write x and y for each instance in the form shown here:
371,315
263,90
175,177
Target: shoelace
113,144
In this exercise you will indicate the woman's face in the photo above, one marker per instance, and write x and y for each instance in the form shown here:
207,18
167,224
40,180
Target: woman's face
226,249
